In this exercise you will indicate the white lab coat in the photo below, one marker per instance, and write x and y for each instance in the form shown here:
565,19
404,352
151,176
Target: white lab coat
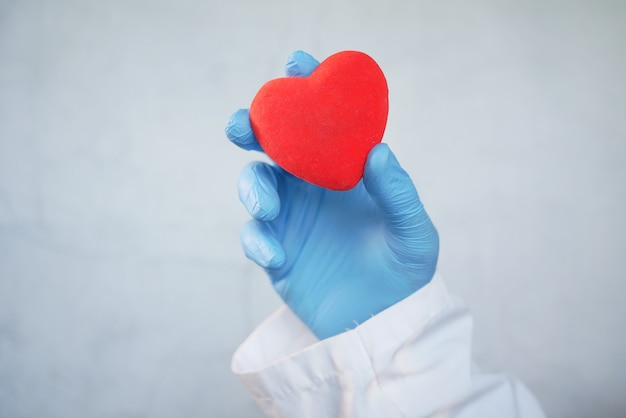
411,360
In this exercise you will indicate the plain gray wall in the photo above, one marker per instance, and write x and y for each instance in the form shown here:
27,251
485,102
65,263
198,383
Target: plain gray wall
123,288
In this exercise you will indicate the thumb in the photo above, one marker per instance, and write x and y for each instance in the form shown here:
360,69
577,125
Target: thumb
411,232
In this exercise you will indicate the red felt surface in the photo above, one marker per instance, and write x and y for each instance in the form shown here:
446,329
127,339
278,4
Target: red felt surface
321,128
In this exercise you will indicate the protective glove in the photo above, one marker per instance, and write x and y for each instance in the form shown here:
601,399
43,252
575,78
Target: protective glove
335,257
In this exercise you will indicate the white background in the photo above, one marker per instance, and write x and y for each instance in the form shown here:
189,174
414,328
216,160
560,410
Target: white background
123,288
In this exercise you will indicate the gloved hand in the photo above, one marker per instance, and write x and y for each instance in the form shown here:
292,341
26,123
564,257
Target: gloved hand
335,257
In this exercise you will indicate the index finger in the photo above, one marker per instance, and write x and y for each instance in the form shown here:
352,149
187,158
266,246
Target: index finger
300,64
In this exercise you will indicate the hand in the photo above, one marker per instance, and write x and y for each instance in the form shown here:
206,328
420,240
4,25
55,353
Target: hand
335,257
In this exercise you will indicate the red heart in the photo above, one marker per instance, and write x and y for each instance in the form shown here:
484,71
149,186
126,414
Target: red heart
321,128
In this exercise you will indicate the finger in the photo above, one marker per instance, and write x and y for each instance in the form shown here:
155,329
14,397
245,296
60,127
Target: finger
391,188
257,189
239,131
260,245
300,64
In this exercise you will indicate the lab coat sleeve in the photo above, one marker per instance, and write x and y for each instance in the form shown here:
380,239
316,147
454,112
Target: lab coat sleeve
411,360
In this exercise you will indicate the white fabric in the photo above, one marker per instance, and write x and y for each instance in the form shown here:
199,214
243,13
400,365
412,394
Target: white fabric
411,360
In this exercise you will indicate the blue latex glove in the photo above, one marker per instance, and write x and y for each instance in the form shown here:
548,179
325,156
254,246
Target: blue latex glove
335,257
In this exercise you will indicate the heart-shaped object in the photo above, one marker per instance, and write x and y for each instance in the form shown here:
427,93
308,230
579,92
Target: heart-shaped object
321,128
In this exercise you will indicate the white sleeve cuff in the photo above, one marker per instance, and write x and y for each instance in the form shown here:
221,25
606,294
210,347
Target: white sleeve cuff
410,359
